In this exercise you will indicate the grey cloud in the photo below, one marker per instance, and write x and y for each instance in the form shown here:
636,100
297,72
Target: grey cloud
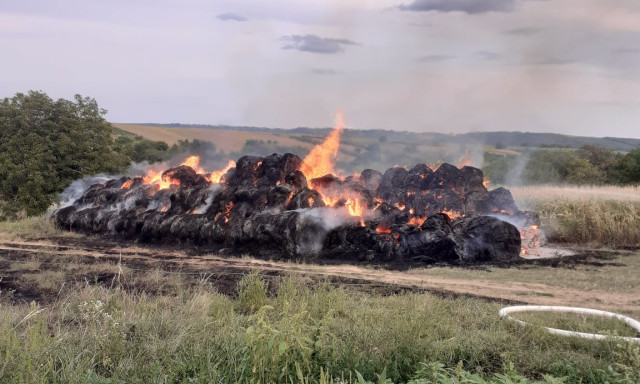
466,6
527,31
325,71
488,55
435,58
315,44
231,17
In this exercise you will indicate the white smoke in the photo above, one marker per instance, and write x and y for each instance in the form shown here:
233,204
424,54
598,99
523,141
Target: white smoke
78,188
514,174
213,191
329,218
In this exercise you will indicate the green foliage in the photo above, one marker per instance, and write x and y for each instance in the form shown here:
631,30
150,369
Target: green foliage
138,149
589,165
252,293
46,144
627,167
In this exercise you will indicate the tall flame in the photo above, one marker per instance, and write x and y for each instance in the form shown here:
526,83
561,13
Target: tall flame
217,175
320,160
194,162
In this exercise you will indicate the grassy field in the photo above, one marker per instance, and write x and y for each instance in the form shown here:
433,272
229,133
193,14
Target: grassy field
296,333
589,216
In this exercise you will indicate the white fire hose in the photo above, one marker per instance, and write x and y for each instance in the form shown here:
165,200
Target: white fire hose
504,312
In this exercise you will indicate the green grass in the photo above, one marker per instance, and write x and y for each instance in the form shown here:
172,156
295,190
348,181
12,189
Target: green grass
317,334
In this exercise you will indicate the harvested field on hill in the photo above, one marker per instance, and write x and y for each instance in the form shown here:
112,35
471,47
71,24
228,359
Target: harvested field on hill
225,140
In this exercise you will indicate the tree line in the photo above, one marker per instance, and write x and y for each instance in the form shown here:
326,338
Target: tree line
588,165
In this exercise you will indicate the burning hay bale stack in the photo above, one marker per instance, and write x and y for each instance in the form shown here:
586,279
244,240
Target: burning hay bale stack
279,207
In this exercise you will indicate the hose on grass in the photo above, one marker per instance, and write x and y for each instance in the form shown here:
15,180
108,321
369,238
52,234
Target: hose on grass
504,313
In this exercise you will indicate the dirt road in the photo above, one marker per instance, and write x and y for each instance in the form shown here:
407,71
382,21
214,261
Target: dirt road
56,254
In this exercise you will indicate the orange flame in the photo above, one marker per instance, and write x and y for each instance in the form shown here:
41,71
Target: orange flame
127,184
355,207
217,175
417,221
320,161
464,160
227,211
155,177
194,162
486,182
530,238
383,228
452,214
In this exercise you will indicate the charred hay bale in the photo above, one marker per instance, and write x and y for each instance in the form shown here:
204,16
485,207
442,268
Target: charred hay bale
485,238
332,187
438,200
151,226
422,170
186,227
207,232
229,223
447,176
98,195
188,199
287,234
306,198
370,179
393,179
187,177
476,202
83,220
352,242
500,200
163,228
127,224
280,196
275,168
247,169
297,180
326,182
290,163
433,242
416,177
62,216
101,222
474,180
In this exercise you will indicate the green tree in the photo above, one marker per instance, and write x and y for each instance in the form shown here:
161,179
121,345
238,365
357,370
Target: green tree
46,144
628,167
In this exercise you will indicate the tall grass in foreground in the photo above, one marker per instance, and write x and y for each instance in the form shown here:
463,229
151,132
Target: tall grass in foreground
301,334
597,216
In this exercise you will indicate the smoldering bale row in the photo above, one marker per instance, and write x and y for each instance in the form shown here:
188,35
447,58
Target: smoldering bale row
266,206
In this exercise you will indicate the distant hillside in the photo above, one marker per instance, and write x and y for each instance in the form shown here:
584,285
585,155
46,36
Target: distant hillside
532,139
505,139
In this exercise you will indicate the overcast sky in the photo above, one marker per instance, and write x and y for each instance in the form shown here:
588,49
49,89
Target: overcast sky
566,66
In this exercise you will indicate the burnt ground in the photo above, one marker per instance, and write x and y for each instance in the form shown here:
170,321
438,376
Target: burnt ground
41,269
